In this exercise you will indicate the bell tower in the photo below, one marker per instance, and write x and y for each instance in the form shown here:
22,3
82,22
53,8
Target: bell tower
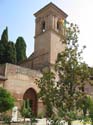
47,36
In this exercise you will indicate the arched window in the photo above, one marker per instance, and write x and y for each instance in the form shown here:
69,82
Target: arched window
43,26
57,25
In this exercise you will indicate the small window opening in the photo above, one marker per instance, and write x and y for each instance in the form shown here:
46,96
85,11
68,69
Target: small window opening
58,27
43,26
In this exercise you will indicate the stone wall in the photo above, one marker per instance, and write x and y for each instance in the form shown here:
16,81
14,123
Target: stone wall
19,80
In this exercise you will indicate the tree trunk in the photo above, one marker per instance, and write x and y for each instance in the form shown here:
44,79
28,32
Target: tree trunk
92,122
69,123
30,121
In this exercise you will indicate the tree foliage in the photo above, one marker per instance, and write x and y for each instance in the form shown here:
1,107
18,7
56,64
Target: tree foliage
4,36
2,53
3,45
66,93
26,111
89,101
7,49
47,91
20,49
6,100
11,53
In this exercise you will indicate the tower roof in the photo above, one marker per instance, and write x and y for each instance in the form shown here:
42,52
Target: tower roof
51,5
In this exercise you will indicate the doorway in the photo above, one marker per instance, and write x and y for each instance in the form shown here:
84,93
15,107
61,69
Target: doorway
31,95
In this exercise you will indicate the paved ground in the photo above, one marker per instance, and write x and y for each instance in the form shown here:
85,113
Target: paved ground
43,122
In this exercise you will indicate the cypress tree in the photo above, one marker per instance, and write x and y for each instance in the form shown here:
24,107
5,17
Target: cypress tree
2,53
20,49
3,45
11,52
4,36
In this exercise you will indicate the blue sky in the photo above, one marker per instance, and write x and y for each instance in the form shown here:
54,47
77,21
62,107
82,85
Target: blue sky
18,16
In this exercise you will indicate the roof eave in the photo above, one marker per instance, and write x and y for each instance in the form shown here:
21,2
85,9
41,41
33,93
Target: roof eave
50,4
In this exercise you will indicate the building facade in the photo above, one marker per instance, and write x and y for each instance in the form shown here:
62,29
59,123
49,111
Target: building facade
20,80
